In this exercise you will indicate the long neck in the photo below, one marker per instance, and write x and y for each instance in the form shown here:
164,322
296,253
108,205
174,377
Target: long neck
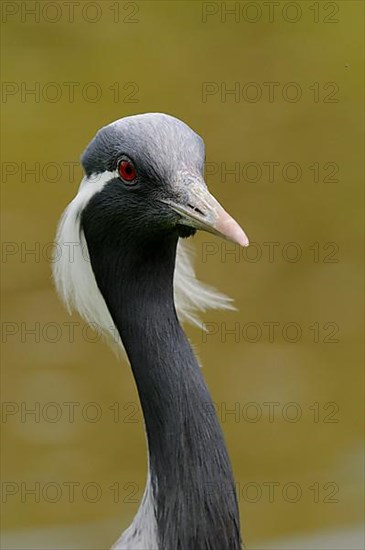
191,476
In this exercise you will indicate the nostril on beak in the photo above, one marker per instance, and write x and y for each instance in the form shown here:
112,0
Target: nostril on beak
196,209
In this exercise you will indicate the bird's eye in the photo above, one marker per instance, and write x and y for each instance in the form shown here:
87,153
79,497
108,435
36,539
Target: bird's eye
127,171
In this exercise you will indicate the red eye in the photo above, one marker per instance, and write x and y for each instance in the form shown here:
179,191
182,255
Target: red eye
127,171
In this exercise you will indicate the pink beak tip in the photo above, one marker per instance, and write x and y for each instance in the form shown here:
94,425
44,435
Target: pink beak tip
231,230
245,242
241,238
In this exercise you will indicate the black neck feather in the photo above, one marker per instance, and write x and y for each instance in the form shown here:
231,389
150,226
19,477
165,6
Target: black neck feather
190,470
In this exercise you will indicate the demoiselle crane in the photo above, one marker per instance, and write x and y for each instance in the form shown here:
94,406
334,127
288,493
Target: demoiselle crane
143,191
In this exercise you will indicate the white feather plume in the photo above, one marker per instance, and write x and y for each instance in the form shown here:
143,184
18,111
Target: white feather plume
75,280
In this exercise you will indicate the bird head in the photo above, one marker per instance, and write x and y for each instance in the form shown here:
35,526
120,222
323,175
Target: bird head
147,175
143,181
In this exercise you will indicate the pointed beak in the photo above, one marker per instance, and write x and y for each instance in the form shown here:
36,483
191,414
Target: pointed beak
200,210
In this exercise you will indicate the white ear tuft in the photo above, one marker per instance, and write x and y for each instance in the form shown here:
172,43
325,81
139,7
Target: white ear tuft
76,284
72,271
191,295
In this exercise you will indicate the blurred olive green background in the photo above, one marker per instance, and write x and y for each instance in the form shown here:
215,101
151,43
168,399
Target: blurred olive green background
168,52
